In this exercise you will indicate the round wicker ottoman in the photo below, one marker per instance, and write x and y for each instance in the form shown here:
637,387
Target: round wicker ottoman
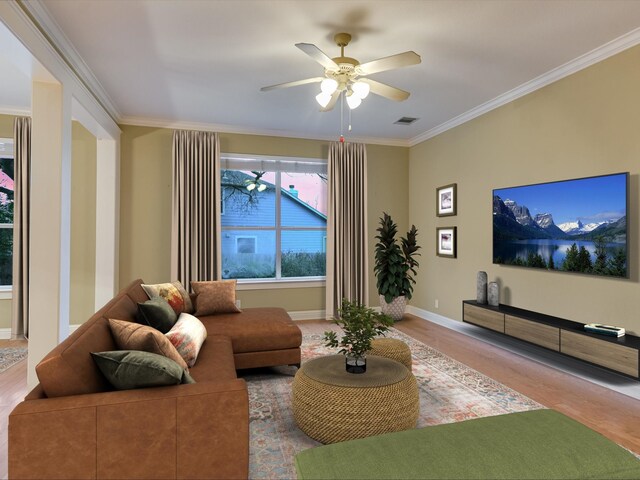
331,405
391,348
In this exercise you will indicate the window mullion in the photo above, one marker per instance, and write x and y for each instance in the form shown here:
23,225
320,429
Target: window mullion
278,228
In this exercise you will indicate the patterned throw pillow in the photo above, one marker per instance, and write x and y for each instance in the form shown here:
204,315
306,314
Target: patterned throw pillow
129,369
133,336
174,293
156,313
187,336
215,297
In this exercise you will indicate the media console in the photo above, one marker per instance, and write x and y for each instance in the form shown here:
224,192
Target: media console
620,354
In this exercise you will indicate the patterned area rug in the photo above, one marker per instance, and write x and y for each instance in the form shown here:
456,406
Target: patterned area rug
449,392
11,356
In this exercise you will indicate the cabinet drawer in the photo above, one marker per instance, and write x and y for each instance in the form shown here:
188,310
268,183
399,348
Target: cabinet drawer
616,357
538,333
484,317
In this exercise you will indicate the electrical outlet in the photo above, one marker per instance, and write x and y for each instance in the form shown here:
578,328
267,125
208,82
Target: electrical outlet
437,303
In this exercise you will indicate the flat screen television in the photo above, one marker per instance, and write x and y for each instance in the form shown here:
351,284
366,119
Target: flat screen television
575,225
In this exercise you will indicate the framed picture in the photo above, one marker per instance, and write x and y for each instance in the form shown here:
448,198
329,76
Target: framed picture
446,200
446,242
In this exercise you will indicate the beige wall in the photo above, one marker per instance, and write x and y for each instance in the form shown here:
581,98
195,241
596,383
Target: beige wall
145,203
586,124
83,224
6,131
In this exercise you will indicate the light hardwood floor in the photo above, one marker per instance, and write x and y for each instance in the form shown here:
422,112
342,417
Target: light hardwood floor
613,414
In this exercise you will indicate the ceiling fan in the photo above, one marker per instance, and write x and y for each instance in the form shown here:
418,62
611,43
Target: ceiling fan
346,74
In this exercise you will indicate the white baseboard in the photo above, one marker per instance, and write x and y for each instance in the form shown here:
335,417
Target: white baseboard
308,315
572,366
73,328
5,334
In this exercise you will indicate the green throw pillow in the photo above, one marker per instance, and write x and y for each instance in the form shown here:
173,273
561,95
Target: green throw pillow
129,369
157,313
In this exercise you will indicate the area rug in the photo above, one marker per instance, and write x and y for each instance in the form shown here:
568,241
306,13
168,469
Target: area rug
11,356
449,392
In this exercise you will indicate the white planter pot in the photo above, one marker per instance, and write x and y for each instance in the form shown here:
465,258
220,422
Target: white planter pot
395,309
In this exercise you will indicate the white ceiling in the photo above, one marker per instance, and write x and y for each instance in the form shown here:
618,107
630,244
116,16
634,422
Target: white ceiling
204,61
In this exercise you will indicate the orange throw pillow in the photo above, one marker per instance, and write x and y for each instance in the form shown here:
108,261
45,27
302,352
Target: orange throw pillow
215,297
133,336
174,293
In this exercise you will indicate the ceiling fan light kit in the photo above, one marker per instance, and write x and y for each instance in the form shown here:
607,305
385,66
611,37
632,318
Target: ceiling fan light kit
342,75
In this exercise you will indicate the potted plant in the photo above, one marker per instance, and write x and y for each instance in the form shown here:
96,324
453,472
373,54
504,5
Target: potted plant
360,325
395,267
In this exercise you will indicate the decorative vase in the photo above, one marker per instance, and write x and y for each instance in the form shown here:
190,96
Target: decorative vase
395,309
481,287
493,294
355,364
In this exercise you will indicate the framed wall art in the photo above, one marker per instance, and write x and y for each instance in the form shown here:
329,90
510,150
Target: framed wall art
446,242
446,200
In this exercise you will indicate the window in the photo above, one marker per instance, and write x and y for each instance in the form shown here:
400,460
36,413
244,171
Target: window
246,244
274,224
6,213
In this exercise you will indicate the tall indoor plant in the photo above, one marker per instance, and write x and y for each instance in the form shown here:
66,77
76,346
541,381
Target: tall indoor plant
360,325
395,267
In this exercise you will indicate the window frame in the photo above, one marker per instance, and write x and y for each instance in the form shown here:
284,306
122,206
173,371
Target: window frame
278,281
6,290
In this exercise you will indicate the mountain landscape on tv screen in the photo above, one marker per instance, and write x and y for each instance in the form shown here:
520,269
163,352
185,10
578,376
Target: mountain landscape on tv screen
523,239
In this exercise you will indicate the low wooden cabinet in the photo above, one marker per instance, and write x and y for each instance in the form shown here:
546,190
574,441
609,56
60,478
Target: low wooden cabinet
621,355
538,333
484,318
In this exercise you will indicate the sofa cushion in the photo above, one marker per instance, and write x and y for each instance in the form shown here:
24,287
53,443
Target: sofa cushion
215,362
187,336
256,329
215,297
128,369
157,313
68,369
174,293
133,336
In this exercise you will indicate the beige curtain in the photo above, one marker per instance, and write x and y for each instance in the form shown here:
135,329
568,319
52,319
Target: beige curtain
22,166
347,253
196,203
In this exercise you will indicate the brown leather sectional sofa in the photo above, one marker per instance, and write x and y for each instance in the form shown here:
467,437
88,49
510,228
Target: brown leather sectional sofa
74,425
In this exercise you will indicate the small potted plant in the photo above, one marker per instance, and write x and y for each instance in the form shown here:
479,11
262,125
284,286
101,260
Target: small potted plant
360,325
395,267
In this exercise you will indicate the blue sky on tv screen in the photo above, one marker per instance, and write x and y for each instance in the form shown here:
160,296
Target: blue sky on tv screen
589,200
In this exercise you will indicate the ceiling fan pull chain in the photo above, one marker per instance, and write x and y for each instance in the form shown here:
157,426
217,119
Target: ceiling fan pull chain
349,119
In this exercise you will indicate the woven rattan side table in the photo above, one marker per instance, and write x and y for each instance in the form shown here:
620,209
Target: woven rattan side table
391,348
331,405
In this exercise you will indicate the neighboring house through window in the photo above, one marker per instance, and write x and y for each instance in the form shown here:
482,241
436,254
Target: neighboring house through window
6,213
274,223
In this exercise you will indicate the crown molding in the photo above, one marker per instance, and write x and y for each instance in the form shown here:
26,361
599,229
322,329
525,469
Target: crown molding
18,111
603,52
221,128
63,46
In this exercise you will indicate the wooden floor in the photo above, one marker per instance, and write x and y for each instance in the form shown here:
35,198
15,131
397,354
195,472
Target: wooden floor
613,414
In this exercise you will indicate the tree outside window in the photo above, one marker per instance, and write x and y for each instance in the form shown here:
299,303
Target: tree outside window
6,219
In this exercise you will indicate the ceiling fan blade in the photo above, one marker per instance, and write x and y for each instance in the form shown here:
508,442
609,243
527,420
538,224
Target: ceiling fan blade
384,90
318,55
293,84
332,102
389,63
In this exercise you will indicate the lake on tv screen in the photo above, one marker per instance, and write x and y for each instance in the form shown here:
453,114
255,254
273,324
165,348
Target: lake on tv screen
576,225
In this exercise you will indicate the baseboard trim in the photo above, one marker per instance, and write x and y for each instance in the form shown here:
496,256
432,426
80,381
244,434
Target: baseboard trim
5,334
577,368
308,315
